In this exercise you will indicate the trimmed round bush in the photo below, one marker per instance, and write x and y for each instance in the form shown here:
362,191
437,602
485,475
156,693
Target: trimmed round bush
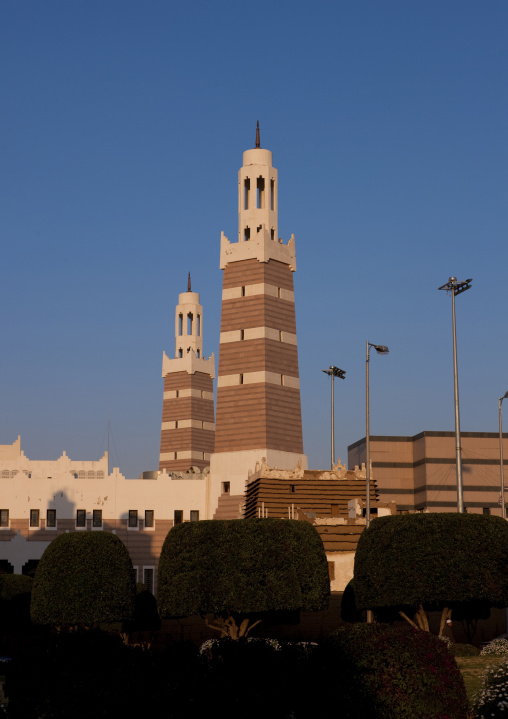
85,579
492,699
380,671
434,560
233,568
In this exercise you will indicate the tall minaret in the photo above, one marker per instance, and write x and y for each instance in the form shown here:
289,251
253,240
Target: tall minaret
258,389
187,433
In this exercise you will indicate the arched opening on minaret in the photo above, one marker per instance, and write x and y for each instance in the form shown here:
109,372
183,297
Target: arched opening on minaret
198,330
246,235
189,323
180,324
272,194
246,190
180,352
260,193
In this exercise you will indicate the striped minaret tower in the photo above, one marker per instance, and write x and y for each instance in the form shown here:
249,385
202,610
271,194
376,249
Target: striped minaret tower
187,434
258,390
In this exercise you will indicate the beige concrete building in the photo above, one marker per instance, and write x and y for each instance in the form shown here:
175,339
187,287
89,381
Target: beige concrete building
419,473
40,499
258,388
188,429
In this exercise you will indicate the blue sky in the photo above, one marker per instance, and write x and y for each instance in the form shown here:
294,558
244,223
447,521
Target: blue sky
122,130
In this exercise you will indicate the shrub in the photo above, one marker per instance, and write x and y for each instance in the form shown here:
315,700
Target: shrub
464,650
497,648
146,614
80,674
238,568
417,562
84,578
492,699
385,672
15,595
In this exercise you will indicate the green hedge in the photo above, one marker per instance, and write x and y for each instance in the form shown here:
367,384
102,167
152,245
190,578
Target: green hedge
244,566
84,578
432,559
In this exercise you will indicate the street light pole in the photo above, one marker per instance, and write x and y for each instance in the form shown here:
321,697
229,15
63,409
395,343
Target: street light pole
501,468
334,372
382,350
456,287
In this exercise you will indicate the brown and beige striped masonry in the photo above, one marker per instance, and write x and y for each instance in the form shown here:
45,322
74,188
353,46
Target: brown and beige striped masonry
258,395
187,431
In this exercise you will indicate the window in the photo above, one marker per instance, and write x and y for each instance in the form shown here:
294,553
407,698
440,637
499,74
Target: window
97,518
292,488
485,510
178,516
149,519
246,235
246,188
241,379
34,517
226,487
189,323
272,234
4,517
260,192
133,518
198,331
243,291
51,518
242,334
180,324
177,393
81,518
148,578
194,515
180,353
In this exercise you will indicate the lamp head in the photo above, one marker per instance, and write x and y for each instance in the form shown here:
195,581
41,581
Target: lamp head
381,349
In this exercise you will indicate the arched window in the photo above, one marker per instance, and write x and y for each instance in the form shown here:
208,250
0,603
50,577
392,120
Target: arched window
189,323
180,324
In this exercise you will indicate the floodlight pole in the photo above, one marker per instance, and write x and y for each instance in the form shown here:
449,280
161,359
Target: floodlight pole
334,372
380,349
456,288
501,468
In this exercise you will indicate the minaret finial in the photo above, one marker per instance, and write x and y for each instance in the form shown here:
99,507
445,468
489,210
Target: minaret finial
258,144
188,284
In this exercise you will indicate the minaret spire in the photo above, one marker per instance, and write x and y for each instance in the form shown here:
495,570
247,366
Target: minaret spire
189,284
258,143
